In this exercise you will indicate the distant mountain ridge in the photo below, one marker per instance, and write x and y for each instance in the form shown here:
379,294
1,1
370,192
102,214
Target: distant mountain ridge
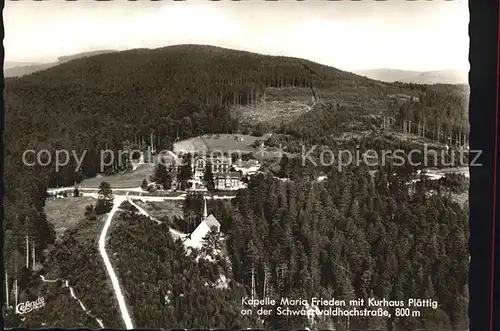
18,69
12,64
67,58
450,76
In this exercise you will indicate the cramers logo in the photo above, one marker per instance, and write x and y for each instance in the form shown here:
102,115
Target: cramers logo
29,306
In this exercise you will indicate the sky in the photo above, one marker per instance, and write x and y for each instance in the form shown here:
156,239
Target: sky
395,34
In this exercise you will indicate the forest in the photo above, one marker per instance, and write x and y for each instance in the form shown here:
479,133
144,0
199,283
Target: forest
59,309
437,115
165,287
116,101
354,235
78,261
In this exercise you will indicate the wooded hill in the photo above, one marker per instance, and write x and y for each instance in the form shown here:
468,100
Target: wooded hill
116,100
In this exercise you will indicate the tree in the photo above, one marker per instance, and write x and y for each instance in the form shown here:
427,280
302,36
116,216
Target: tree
208,177
90,213
185,171
192,209
165,143
284,167
163,176
105,199
167,181
252,255
211,243
144,184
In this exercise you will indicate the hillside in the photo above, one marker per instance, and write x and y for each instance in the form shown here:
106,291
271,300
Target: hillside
115,100
302,228
417,77
437,112
173,91
176,82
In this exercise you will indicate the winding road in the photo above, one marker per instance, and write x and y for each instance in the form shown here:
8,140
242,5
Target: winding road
117,201
112,275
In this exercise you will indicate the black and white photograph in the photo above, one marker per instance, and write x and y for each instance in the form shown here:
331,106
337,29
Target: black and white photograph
232,165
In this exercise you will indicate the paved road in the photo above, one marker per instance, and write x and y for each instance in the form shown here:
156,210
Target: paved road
125,191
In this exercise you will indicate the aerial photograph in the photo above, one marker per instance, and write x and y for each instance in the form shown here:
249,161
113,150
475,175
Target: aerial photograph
231,165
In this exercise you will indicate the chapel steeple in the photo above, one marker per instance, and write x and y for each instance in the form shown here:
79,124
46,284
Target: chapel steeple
205,214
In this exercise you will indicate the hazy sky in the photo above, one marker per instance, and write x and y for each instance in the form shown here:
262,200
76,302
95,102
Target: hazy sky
420,35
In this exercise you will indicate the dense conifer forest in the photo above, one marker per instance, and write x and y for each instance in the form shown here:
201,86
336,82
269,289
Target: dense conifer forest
167,288
354,236
79,262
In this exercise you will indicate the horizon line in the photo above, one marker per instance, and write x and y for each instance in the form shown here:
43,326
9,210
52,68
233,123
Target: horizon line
352,70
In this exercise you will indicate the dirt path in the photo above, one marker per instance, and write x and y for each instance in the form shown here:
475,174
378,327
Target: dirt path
112,275
72,292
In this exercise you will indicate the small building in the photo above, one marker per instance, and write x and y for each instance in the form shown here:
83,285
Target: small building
249,167
227,181
154,187
219,164
196,185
